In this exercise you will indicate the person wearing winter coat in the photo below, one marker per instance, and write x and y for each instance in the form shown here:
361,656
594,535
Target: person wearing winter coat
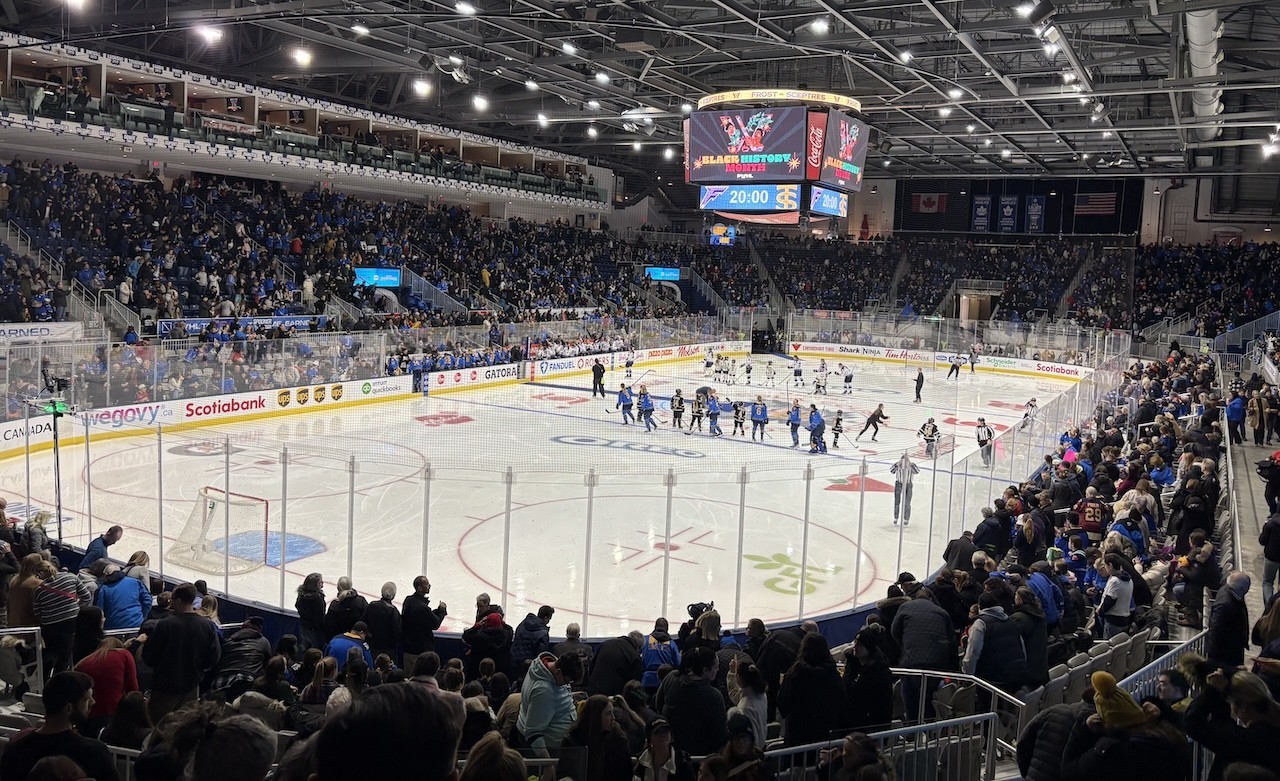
383,619
1123,740
1028,616
490,638
532,636
595,749
244,654
1237,719
777,654
868,683
690,702
995,652
310,605
926,636
546,702
657,649
1044,739
809,710
345,610
123,600
1228,634
1269,539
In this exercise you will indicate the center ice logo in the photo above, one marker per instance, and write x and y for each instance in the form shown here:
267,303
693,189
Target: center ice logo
788,574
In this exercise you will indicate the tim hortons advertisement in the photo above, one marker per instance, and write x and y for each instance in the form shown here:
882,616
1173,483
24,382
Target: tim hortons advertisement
557,367
1063,371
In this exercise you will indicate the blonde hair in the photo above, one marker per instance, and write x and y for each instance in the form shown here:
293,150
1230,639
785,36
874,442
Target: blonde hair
209,608
1248,693
139,559
40,518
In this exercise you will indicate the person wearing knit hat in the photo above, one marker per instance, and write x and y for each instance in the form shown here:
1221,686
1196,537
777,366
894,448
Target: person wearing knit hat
1116,707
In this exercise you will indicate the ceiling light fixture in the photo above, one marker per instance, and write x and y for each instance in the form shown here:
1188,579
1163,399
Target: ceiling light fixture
970,128
906,56
1068,77
1053,193
543,121
209,34
302,57
1106,134
1084,101
945,111
1025,10
531,85
421,87
592,132
75,5
887,162
568,48
668,154
1098,107
455,59
686,107
821,26
635,145
875,189
956,93
987,142
1267,229
593,104
465,8
1084,156
1156,191
359,29
1051,49
1006,153
480,102
602,77
1269,149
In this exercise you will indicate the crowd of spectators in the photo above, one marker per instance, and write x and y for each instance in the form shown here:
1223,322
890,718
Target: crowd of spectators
818,274
1219,285
1102,299
1035,277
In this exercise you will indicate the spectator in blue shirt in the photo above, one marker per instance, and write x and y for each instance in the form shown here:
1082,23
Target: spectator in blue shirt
98,548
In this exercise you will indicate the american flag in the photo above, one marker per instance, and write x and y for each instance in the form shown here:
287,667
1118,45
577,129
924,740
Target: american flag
1095,203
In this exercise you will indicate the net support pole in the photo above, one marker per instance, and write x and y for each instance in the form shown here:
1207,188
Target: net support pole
742,534
226,515
88,479
284,521
26,428
804,538
427,474
160,496
509,478
592,480
351,517
862,506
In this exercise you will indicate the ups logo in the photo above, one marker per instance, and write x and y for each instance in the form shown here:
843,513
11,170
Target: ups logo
335,392
303,395
283,398
318,393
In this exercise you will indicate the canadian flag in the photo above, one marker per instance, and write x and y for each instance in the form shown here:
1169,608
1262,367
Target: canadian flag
929,203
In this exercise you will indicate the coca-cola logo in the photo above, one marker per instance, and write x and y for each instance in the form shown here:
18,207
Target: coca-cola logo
817,133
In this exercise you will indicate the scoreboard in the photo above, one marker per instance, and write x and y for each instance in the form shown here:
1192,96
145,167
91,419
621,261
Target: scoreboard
750,197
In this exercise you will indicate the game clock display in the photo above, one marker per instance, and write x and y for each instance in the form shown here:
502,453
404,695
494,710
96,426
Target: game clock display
750,197
745,145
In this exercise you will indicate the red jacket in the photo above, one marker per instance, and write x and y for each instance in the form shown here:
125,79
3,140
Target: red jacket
114,675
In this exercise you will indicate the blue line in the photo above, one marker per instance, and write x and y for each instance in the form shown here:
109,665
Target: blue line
850,458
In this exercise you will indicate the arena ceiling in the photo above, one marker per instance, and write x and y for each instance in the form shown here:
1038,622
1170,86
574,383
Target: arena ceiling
970,88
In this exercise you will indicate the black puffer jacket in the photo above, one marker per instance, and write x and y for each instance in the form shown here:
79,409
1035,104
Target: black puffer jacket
1043,740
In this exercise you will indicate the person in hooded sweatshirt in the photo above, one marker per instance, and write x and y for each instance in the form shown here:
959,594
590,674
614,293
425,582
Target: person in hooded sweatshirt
124,600
546,702
656,650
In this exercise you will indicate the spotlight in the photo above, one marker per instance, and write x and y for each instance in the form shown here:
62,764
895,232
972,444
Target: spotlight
970,128
956,93
821,26
568,48
593,104
1006,153
480,102
302,57
421,87
1084,101
1025,10
543,121
686,107
359,29
455,59
1267,229
1084,156
465,8
209,34
602,77
592,132
1106,134
635,145
887,162
945,111
1157,190
905,56
1269,149
1068,77
668,153
875,189
1039,13
987,142
1051,49
531,85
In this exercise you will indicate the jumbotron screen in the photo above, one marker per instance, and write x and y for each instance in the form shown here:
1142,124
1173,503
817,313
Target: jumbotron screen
747,145
845,152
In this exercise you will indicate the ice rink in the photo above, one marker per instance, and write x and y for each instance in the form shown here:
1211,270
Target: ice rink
536,494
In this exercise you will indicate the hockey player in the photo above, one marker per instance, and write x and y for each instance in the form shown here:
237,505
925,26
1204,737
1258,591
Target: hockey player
797,371
1028,417
770,374
837,428
919,383
630,363
759,417
739,419
713,415
873,421
699,409
954,371
746,369
793,420
820,383
817,427
733,372
847,371
646,409
929,433
677,410
625,401
822,366
708,361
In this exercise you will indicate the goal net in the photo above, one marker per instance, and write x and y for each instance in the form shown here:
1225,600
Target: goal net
226,532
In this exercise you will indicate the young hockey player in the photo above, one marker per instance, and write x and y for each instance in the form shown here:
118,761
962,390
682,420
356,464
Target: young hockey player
630,363
929,433
708,361
793,420
797,371
625,401
699,409
817,427
837,428
820,383
739,419
847,371
646,409
770,374
759,417
677,410
713,415
746,370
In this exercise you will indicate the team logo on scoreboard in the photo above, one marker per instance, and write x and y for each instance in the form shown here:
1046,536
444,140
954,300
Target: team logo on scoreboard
282,398
318,393
303,395
335,392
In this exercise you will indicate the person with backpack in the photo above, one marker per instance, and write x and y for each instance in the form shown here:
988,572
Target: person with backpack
1132,527
657,649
